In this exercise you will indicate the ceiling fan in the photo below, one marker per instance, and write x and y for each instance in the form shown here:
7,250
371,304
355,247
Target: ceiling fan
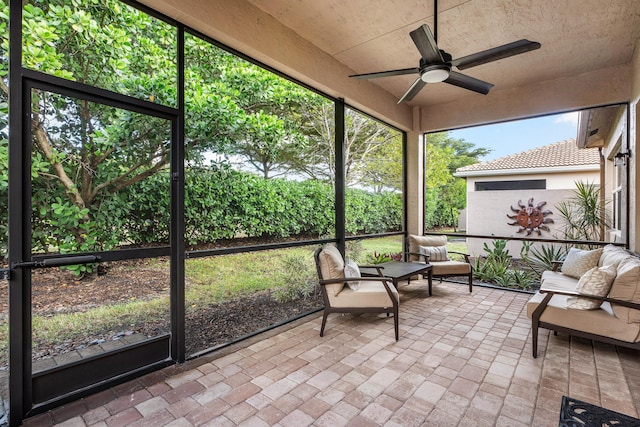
436,64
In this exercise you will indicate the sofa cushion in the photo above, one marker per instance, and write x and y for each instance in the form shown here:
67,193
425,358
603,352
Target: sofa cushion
370,294
579,261
558,281
626,287
436,253
332,267
351,269
613,255
600,321
596,281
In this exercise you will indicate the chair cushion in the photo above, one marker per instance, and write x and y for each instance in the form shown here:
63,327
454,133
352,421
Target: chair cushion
332,267
416,241
596,281
450,267
436,253
369,294
579,261
626,287
351,269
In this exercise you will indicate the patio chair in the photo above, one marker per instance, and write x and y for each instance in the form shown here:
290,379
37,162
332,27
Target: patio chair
352,294
433,250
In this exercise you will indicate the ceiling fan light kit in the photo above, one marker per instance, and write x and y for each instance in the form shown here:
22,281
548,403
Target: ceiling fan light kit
435,73
436,64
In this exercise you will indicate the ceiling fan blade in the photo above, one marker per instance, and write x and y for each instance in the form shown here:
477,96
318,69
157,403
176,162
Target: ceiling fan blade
493,54
468,82
413,90
426,44
386,73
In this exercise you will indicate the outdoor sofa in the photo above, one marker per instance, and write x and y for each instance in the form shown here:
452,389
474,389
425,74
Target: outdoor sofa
610,276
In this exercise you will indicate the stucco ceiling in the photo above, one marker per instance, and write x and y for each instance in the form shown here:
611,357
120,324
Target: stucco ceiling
577,37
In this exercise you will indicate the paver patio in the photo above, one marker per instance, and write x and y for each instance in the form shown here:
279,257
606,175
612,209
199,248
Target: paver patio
462,359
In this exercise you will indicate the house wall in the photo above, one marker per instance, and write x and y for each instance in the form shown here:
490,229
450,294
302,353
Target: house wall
555,180
634,140
487,210
613,145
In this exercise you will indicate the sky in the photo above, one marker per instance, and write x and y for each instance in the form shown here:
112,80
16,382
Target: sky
509,138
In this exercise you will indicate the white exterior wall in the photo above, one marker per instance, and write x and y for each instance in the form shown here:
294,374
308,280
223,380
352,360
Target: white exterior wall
613,145
487,210
634,143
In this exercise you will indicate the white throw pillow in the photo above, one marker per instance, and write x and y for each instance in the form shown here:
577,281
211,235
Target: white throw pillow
579,261
436,253
351,270
596,281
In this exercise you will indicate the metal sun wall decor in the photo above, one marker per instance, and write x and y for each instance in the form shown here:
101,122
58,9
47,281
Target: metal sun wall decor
531,218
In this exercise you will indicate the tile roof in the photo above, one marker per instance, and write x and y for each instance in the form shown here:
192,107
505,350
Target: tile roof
557,155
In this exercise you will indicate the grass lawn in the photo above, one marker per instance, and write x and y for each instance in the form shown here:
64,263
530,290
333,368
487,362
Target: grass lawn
209,280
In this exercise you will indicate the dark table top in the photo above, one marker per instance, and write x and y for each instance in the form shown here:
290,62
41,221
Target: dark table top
396,269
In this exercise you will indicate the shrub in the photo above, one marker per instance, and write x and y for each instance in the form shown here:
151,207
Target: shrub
377,258
298,280
544,256
220,203
498,267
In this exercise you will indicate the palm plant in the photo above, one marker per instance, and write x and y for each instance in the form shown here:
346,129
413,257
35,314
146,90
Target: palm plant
544,256
584,214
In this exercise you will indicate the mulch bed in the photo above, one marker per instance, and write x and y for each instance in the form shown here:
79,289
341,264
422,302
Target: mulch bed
222,323
56,291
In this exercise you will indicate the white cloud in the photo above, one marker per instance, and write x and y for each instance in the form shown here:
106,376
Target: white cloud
571,118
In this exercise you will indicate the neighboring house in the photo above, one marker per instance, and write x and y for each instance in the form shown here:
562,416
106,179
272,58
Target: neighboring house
522,182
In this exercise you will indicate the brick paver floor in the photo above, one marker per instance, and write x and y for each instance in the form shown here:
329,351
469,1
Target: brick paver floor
462,359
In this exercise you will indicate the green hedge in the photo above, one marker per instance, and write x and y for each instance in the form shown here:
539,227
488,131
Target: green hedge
219,204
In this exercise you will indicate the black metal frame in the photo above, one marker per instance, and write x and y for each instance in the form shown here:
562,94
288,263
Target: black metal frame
31,393
529,239
38,392
625,144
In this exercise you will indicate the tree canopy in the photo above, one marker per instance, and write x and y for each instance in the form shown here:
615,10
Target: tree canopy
85,153
446,194
236,112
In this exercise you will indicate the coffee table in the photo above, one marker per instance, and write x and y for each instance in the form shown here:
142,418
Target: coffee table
398,271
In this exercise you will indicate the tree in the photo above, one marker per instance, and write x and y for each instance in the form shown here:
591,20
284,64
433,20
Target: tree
86,152
445,193
264,112
317,158
372,150
437,175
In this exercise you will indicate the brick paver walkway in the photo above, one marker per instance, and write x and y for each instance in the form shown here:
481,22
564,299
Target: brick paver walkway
462,359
